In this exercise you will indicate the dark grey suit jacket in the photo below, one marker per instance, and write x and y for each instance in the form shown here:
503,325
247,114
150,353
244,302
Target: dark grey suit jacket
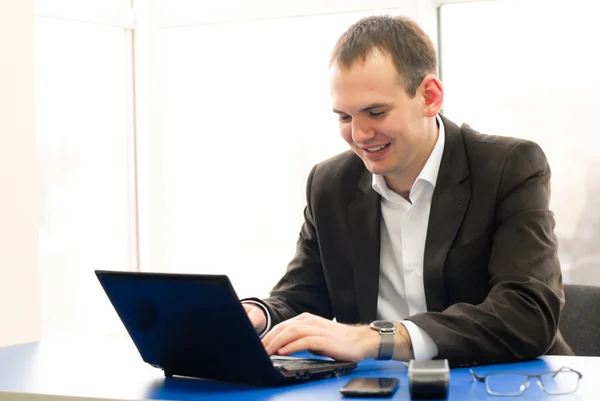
492,279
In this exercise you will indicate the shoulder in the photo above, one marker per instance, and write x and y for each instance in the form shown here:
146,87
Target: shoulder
335,181
340,169
503,164
491,145
510,155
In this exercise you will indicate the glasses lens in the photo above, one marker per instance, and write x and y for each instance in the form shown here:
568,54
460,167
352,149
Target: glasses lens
506,384
561,382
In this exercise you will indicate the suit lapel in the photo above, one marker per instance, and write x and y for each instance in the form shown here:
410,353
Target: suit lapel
448,205
364,215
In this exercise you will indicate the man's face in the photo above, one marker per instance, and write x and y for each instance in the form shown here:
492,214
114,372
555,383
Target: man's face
378,119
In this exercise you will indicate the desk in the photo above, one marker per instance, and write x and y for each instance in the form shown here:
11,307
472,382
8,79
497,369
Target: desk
112,369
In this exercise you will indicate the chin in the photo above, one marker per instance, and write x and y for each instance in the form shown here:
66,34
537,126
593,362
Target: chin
375,168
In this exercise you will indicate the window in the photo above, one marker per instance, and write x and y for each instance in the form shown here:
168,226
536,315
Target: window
198,151
84,159
527,69
245,114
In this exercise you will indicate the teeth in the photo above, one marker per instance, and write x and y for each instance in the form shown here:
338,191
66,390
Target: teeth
376,149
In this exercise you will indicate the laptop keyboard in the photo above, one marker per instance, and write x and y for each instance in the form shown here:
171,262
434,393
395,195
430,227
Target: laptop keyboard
305,368
292,364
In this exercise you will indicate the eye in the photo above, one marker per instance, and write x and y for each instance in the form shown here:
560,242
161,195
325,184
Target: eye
376,114
344,117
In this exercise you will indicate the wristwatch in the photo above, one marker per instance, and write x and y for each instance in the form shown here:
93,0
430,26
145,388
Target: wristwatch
386,330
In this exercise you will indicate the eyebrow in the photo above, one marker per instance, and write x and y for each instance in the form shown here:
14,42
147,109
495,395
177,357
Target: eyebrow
368,108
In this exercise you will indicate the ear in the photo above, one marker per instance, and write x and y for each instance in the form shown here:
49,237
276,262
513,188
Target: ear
433,94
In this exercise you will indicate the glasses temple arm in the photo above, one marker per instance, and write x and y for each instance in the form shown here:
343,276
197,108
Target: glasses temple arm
566,369
476,376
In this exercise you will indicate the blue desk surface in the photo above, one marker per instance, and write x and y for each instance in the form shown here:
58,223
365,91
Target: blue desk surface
111,368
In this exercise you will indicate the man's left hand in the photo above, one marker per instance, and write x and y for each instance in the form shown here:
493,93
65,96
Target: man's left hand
308,332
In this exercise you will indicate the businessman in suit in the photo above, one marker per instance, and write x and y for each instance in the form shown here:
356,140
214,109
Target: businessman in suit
425,240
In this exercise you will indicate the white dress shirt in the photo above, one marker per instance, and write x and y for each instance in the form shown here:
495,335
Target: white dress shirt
402,249
403,232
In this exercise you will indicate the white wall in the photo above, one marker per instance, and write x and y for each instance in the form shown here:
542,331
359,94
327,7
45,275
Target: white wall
19,275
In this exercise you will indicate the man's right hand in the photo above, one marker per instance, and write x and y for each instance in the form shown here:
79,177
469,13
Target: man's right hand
257,316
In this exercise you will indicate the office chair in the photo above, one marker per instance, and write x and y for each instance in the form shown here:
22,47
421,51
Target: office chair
580,319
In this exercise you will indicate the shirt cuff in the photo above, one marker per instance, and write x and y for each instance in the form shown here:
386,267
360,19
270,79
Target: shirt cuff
266,311
422,344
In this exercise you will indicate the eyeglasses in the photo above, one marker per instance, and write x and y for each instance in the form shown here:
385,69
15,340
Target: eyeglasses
562,381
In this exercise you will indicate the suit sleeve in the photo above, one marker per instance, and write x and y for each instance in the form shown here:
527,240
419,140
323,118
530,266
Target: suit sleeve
518,320
303,287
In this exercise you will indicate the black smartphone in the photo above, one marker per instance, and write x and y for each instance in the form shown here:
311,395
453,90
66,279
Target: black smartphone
370,387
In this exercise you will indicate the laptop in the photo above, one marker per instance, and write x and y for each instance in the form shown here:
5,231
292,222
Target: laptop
194,325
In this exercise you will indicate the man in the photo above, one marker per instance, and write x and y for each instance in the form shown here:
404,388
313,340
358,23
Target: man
426,240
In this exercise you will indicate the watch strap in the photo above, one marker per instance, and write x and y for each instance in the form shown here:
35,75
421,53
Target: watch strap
386,349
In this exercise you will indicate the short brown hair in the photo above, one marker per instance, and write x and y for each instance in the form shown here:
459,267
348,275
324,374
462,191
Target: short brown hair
403,39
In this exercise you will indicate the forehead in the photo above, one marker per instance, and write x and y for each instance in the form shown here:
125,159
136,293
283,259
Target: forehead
373,80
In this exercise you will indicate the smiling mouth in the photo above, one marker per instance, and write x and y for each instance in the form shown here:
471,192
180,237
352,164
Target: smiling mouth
376,148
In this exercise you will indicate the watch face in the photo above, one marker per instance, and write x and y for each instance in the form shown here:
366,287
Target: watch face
383,325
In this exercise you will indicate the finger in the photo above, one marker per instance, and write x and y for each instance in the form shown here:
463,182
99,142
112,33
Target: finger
291,334
315,344
313,319
275,331
304,318
322,346
278,329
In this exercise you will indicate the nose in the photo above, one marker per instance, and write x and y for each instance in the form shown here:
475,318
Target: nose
361,132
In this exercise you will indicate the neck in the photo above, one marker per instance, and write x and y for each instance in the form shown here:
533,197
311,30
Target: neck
403,182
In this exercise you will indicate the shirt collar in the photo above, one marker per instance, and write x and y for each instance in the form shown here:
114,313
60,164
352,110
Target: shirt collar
429,172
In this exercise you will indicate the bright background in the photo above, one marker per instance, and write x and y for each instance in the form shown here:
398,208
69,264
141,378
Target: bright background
177,135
